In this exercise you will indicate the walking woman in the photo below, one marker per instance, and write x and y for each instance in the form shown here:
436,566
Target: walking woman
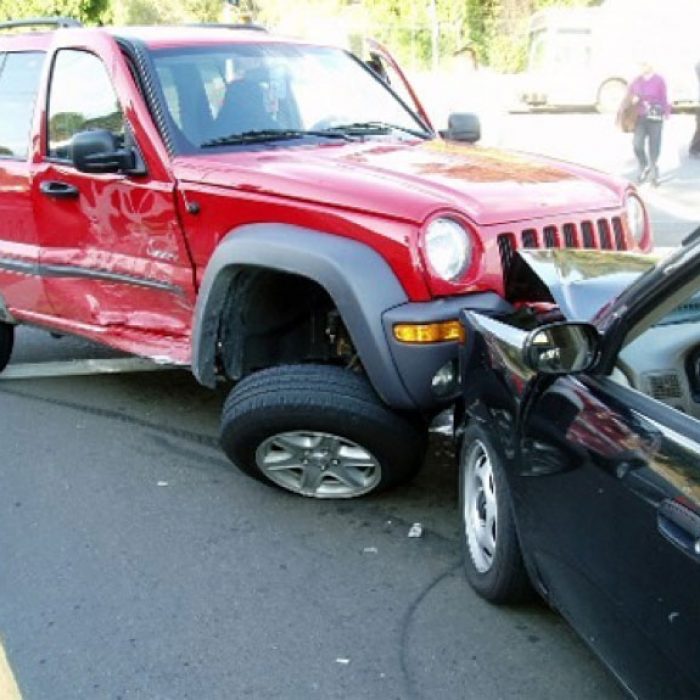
648,93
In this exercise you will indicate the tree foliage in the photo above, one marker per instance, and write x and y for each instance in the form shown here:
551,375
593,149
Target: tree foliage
495,29
89,11
165,11
502,29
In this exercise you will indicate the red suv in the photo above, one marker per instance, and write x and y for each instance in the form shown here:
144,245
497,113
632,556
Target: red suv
272,213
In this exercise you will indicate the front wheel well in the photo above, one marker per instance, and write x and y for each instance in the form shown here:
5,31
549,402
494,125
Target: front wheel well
270,317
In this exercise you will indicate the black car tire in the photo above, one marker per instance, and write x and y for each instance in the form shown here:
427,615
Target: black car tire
7,339
317,422
500,578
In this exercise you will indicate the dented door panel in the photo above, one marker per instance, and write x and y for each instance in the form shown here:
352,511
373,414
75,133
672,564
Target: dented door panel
118,257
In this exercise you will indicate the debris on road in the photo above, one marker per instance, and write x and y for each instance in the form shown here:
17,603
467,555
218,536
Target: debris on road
163,483
370,550
341,660
416,530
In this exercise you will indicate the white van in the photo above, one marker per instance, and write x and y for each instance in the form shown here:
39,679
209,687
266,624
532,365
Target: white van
587,56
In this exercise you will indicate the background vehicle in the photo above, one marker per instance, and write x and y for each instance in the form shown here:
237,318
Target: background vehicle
270,212
587,56
587,489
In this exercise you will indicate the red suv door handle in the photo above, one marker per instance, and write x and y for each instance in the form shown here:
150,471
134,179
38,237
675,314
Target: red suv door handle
59,190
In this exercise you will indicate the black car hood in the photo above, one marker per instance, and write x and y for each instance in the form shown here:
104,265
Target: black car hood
579,282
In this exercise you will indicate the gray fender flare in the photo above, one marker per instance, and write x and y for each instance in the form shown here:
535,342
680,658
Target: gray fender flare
357,278
5,315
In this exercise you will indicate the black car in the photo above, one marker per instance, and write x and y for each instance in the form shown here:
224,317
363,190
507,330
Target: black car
580,457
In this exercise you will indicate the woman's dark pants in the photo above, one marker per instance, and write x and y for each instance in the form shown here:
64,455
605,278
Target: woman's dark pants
647,129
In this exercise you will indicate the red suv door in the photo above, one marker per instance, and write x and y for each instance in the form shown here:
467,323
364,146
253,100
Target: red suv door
20,287
112,249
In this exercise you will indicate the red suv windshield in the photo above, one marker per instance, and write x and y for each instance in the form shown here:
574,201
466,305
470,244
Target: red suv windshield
215,94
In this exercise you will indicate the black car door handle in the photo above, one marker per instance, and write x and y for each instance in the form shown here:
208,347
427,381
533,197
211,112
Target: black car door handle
58,190
680,526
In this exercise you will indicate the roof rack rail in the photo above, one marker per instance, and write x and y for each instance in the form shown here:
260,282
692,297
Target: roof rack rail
61,22
239,25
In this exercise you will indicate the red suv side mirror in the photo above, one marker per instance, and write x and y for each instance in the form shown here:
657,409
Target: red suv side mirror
97,151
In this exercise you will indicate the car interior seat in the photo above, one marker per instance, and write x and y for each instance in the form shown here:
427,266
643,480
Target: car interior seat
243,109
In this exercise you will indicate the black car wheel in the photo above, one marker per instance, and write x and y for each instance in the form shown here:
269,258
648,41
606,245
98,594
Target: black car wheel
7,339
492,557
319,431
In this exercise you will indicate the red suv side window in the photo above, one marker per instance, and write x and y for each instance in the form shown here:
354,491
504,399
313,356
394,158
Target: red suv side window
72,108
19,82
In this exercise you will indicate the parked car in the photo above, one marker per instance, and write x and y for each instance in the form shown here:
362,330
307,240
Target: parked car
269,212
580,458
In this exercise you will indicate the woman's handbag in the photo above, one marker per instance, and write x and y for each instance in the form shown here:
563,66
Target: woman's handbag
627,115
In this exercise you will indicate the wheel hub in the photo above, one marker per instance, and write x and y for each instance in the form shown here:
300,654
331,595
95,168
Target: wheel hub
321,465
480,506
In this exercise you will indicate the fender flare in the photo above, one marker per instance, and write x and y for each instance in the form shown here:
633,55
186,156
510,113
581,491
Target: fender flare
5,315
358,280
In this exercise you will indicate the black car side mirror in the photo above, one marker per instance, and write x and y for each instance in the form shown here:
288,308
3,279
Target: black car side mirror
97,151
562,348
463,126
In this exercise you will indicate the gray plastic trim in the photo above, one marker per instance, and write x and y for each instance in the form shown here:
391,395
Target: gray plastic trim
357,278
5,315
33,268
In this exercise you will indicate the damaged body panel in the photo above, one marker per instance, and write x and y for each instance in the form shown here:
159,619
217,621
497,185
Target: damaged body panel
580,283
603,474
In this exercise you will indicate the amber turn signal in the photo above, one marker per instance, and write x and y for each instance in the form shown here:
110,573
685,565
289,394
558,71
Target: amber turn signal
429,332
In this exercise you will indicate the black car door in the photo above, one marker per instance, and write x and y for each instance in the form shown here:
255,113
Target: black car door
608,499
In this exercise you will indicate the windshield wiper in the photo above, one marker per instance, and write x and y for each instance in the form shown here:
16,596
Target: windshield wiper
265,135
374,128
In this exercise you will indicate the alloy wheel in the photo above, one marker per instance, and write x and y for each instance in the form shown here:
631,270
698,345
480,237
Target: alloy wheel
321,465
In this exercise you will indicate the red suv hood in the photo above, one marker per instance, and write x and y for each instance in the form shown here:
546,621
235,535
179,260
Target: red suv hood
410,181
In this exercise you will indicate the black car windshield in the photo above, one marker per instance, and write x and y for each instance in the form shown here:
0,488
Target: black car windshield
245,94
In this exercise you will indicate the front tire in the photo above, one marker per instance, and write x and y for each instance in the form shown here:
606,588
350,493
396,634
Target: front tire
319,431
492,558
7,339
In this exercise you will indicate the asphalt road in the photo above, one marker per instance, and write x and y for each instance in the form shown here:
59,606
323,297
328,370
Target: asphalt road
136,563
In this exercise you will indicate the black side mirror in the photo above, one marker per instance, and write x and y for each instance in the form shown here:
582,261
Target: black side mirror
463,126
97,151
562,348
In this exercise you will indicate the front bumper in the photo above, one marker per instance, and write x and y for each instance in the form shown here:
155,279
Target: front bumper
416,363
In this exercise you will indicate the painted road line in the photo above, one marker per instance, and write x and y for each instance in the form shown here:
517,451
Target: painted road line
9,690
74,368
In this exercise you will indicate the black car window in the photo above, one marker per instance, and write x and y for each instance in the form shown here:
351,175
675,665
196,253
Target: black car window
662,357
81,97
19,82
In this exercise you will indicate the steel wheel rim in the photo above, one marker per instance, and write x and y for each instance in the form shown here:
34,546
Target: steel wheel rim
480,507
318,465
